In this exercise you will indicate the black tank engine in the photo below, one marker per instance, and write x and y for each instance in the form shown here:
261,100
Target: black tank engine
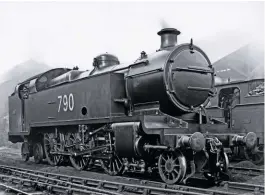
146,116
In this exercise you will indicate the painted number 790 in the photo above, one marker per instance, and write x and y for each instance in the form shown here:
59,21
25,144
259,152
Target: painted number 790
66,102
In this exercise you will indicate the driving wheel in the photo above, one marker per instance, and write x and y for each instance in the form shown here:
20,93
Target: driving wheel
51,145
112,166
78,162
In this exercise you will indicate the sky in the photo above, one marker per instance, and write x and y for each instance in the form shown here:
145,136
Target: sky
66,34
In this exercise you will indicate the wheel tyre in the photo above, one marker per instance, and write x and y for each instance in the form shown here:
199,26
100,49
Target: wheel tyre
225,163
38,153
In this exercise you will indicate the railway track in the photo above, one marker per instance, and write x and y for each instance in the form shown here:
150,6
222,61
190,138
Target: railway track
13,184
12,189
64,184
46,184
246,171
252,172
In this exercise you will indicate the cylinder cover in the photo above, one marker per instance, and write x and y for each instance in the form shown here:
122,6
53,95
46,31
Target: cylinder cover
125,138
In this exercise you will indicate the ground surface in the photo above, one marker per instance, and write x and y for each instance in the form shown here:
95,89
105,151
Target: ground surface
11,157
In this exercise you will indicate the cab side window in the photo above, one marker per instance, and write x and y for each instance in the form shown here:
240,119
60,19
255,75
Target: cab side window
229,97
256,88
24,91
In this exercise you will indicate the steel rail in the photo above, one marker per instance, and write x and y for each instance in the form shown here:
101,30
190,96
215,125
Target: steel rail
246,171
13,189
244,186
132,188
44,186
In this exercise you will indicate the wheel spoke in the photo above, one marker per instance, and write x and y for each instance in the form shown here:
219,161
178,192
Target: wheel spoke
84,161
119,160
172,175
176,171
163,158
113,165
116,163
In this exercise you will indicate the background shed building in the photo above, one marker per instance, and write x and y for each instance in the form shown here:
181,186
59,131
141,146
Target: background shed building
243,64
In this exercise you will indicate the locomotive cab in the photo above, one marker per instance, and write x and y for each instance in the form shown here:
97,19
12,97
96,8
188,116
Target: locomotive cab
15,114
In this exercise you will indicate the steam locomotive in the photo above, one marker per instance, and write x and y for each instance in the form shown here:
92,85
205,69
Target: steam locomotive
146,116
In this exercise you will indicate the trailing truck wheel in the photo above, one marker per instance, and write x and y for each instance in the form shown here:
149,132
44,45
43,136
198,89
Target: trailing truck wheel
37,153
172,167
256,155
25,151
51,145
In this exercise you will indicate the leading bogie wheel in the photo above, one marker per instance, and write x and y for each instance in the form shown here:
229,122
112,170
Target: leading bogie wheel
172,167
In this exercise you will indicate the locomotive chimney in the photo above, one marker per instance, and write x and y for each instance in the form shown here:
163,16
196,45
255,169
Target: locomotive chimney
169,37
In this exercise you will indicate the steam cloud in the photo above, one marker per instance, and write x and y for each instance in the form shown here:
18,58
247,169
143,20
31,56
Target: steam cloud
164,24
